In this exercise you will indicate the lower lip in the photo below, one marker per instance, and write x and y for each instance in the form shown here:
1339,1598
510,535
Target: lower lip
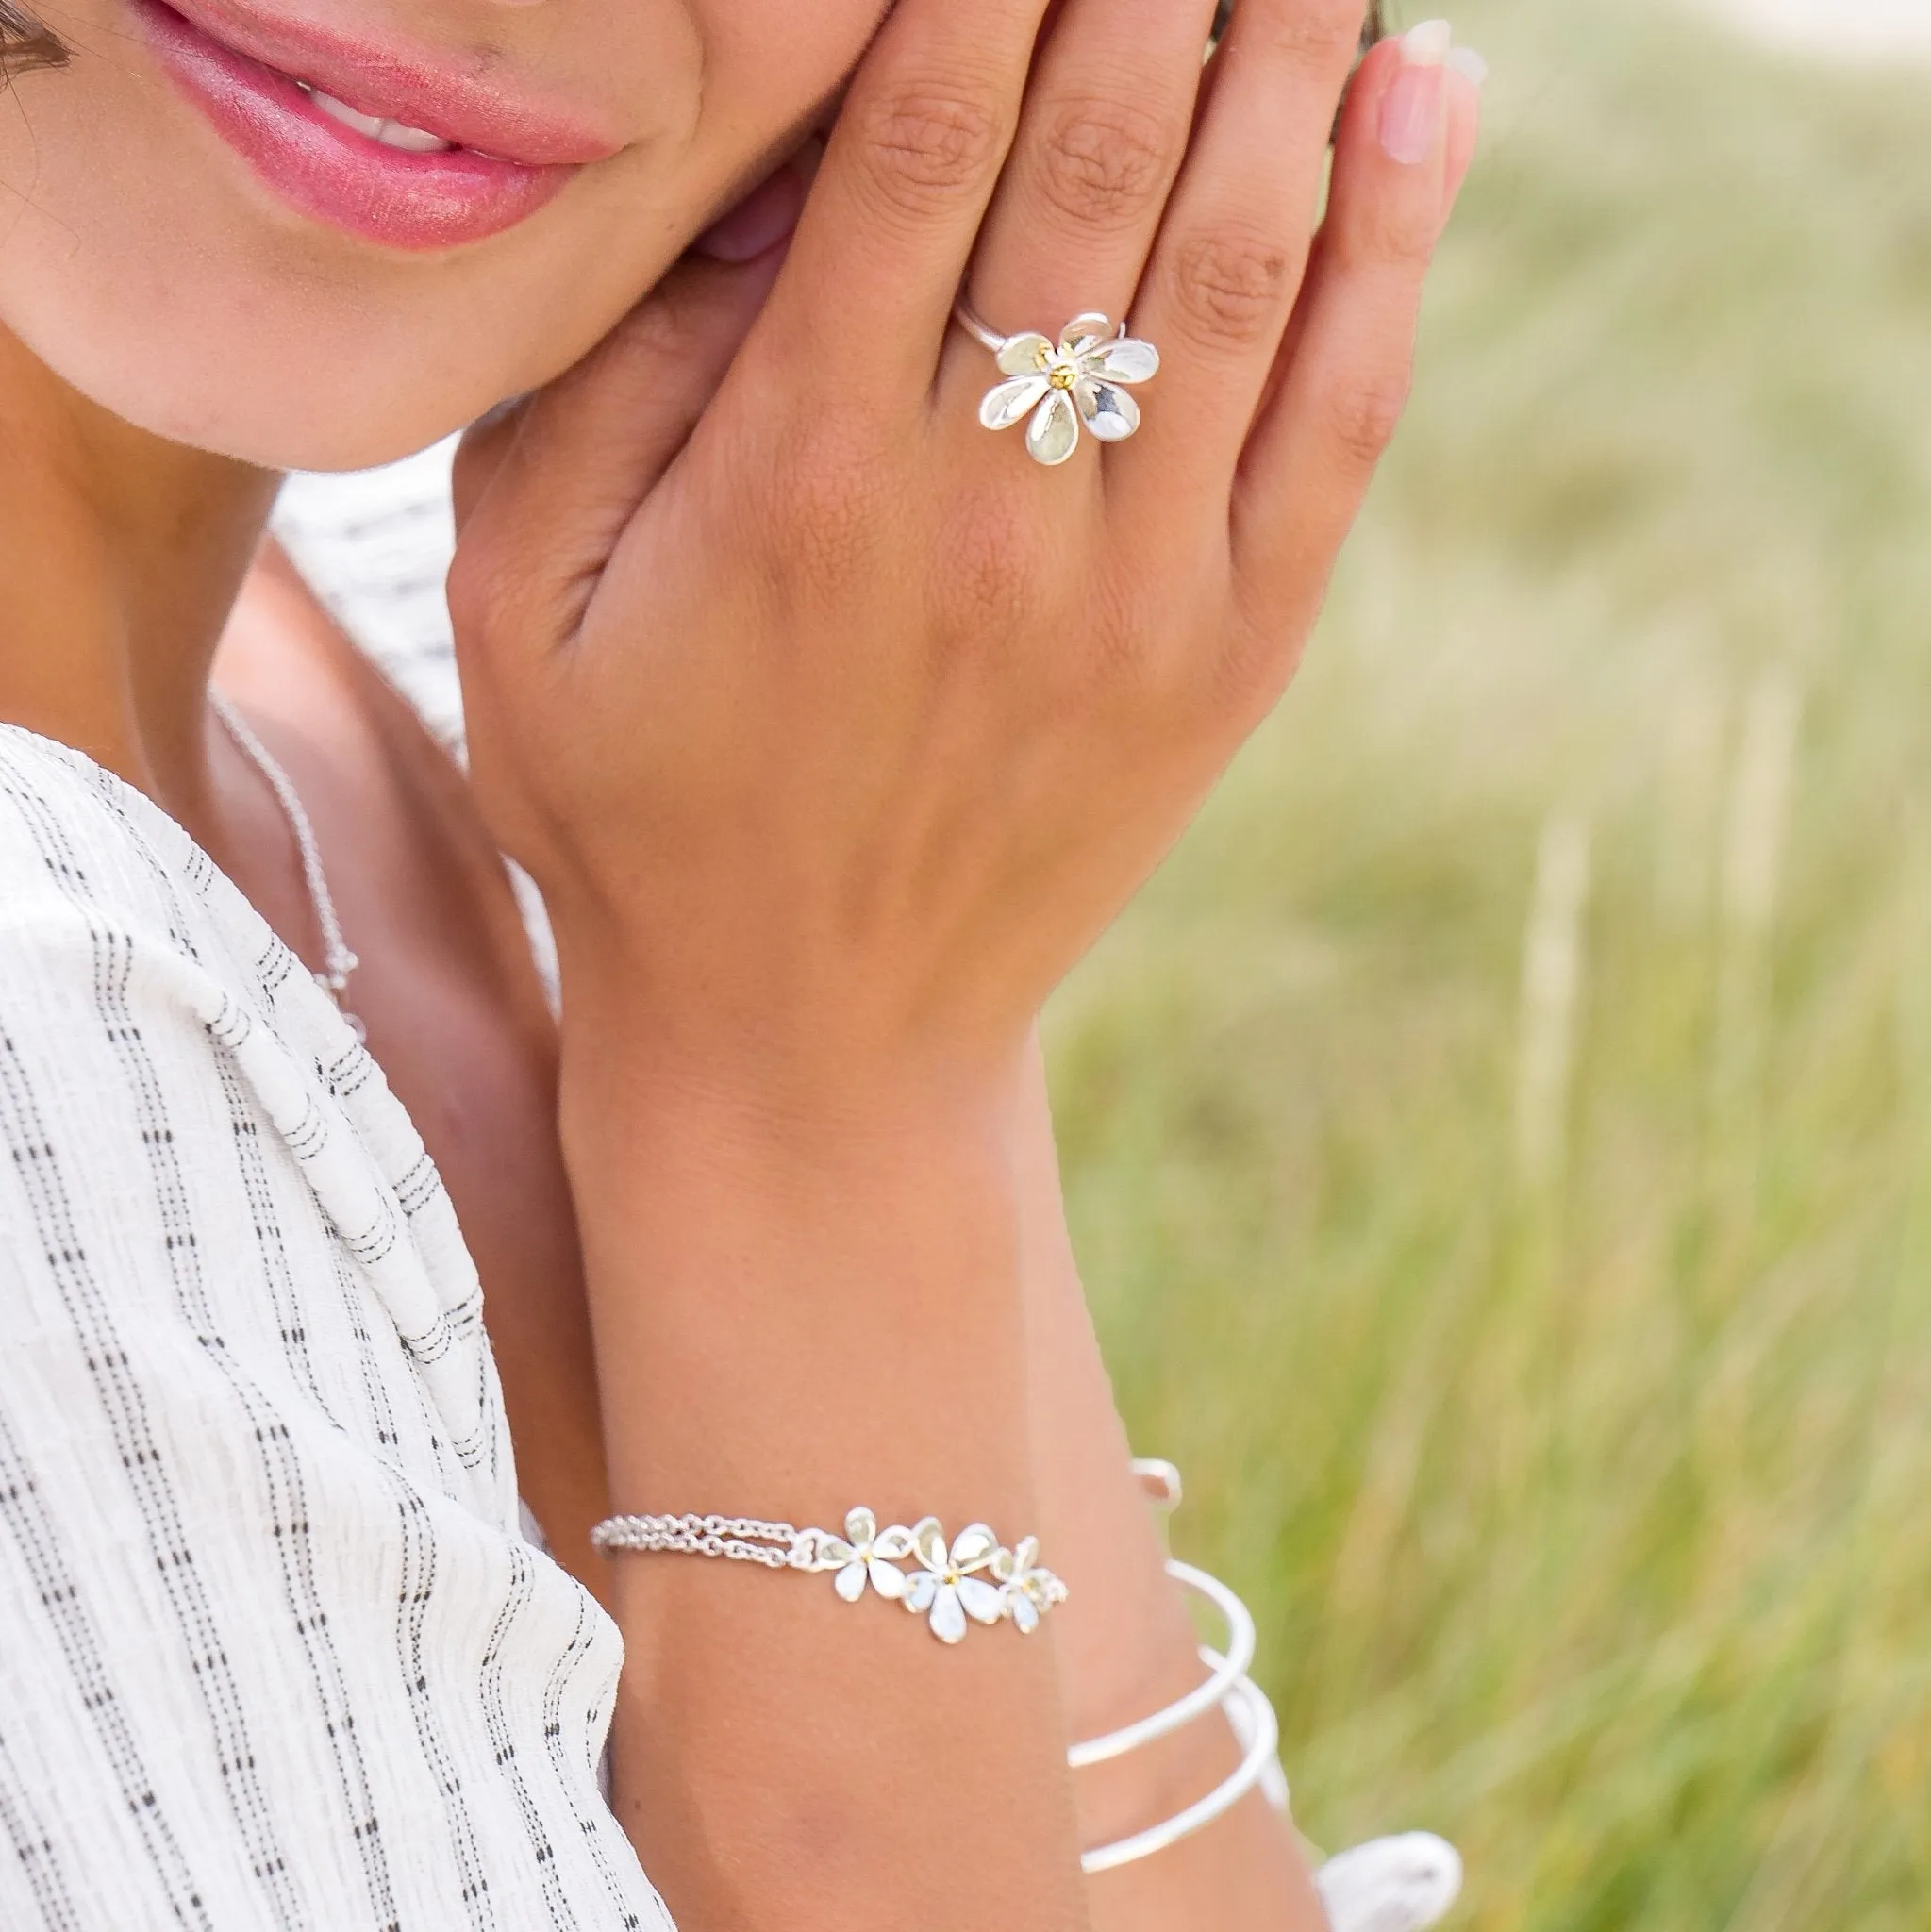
334,175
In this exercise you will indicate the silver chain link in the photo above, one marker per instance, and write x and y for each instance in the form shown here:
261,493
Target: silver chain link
737,1539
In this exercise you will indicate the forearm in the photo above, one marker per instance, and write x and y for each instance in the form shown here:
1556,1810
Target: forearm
1125,1640
796,1315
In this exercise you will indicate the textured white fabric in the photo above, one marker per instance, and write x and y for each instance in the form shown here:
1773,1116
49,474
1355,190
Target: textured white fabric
273,1650
374,546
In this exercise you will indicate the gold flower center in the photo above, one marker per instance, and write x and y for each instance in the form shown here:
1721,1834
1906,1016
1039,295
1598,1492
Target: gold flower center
1062,376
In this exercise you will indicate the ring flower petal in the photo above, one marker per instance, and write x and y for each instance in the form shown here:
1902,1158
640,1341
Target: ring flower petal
1125,361
1084,334
1025,354
1014,400
1053,435
1110,414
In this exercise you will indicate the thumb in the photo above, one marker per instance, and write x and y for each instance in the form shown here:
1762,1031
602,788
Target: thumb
545,486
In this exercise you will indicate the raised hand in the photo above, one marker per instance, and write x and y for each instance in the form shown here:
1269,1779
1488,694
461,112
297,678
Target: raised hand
834,727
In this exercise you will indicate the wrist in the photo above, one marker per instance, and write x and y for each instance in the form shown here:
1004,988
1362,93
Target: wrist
804,1092
841,1047
835,1256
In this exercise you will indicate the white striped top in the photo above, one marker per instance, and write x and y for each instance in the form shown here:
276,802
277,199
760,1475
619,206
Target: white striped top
273,1650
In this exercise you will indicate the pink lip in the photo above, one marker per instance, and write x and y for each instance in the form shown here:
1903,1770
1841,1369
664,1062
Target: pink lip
514,155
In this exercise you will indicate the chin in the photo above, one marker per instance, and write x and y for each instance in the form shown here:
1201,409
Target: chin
325,410
278,365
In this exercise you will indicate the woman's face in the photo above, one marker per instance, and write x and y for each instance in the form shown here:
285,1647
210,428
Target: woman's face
323,233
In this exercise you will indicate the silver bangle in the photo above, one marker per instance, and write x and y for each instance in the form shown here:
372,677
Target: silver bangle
1263,1737
973,1579
1227,1672
1226,1686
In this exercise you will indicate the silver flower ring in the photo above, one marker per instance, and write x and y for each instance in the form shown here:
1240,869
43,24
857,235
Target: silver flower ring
1080,378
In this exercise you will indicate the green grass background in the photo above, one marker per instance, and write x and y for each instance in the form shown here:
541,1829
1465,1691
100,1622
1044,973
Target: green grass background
1575,1449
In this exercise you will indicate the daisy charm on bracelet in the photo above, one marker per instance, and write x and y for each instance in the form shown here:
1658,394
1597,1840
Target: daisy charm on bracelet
973,1578
1081,378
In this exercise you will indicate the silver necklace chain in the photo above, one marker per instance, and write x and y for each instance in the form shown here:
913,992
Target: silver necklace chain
339,962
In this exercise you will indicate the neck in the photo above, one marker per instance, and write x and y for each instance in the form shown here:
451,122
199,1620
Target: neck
122,555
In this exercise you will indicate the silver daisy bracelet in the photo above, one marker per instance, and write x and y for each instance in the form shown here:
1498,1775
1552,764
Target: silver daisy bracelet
973,1578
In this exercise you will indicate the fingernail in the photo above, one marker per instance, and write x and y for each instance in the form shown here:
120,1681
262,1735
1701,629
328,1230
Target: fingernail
763,219
1429,44
1469,64
1413,109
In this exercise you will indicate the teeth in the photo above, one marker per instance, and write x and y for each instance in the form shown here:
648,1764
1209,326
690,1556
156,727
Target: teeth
412,141
370,125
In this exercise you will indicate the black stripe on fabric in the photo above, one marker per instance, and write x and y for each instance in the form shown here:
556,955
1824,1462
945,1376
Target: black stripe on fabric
120,1392
36,1855
107,792
576,1654
417,1585
503,1741
24,1511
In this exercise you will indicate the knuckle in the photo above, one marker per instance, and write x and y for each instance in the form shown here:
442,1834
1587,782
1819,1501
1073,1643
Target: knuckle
1323,34
1364,413
1105,163
1233,287
1398,229
930,143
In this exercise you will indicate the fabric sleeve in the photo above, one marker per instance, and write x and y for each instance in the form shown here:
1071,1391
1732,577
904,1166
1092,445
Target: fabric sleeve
265,1658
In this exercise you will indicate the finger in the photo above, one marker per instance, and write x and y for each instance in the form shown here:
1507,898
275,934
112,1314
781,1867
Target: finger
1231,258
1099,144
545,487
907,179
1406,135
1464,132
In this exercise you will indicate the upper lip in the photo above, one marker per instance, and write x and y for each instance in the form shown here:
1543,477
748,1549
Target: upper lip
512,121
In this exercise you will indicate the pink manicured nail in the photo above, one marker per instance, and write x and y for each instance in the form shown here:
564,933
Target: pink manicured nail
763,219
1415,106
